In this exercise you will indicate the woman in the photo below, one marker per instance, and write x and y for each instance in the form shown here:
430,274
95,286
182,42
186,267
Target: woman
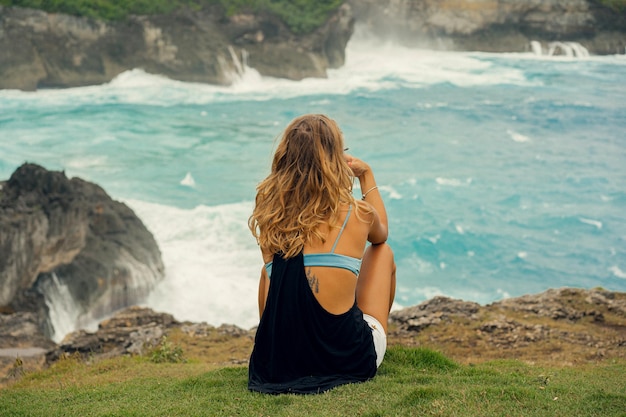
324,299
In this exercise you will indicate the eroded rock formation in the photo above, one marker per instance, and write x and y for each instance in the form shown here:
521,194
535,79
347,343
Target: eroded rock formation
67,234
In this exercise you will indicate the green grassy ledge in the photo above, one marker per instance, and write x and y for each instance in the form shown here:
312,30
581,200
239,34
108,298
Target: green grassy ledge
411,382
302,16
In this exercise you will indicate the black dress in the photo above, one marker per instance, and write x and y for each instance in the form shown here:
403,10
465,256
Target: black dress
302,348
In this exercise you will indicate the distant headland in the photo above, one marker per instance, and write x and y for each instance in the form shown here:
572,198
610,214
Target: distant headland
69,44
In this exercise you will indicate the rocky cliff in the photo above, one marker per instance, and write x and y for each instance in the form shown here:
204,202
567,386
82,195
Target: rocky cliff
495,25
66,243
39,50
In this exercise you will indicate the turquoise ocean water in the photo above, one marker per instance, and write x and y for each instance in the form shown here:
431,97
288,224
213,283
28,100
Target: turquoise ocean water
503,174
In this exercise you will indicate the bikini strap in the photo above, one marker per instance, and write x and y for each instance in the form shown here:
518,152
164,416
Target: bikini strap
342,227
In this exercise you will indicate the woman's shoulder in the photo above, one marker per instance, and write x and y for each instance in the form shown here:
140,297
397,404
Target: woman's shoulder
364,211
267,256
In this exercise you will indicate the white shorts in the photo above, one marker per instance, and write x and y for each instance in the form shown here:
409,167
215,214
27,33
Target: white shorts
380,338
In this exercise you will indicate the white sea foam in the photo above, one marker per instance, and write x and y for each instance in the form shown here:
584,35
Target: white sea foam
595,223
518,137
536,47
418,265
502,293
453,182
392,193
617,271
567,49
85,163
429,292
426,292
434,239
188,180
63,309
370,65
212,262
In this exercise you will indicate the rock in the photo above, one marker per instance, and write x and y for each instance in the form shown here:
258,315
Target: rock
197,329
22,331
565,325
431,312
495,25
39,50
66,241
565,303
132,331
23,347
232,330
137,317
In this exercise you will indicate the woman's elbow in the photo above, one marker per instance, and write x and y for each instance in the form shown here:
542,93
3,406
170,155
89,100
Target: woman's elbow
379,237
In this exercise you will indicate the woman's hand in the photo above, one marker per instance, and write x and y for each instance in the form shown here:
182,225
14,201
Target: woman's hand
359,168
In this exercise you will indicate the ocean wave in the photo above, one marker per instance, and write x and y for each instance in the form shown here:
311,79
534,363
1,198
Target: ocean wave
517,137
596,223
453,182
615,270
369,66
212,262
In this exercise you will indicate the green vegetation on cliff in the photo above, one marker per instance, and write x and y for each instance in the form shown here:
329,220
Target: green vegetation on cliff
617,5
300,15
411,382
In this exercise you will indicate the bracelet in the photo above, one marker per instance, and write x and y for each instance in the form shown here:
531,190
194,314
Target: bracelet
367,192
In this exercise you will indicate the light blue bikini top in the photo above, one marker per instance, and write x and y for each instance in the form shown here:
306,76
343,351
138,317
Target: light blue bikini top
331,258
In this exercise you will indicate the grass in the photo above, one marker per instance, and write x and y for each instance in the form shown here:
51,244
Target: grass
411,381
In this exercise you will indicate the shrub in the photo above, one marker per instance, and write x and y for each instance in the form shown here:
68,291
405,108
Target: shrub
300,16
166,352
617,5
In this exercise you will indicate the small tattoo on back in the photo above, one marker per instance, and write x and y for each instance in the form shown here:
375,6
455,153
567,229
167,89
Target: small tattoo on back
313,281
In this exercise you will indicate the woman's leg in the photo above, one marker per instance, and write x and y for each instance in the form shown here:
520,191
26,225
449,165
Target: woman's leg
376,287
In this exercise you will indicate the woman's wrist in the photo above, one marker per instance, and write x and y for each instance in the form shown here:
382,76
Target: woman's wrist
367,191
367,180
367,183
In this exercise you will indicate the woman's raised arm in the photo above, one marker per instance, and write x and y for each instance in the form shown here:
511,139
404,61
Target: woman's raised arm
371,195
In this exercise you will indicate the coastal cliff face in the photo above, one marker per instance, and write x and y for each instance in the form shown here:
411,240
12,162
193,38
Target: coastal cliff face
494,25
67,235
39,50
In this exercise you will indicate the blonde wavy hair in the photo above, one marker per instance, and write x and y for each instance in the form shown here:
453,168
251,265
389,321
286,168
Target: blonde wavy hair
308,182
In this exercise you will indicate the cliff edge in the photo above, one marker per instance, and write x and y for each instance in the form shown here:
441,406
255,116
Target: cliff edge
559,327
